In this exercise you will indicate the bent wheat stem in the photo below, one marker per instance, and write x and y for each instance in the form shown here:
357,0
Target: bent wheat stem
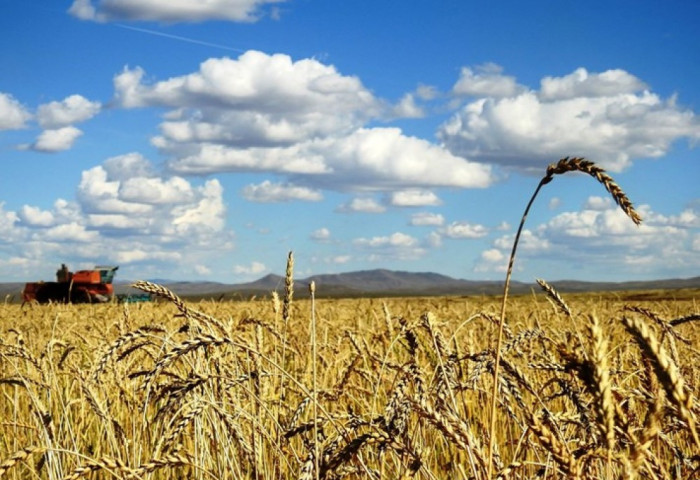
564,165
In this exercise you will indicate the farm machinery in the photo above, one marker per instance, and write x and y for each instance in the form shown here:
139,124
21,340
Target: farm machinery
83,286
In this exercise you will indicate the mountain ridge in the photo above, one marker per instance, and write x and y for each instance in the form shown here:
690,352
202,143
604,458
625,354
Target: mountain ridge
380,282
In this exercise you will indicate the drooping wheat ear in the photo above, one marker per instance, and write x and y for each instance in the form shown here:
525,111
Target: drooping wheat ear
120,342
563,166
113,465
163,292
560,453
577,164
19,456
171,460
666,371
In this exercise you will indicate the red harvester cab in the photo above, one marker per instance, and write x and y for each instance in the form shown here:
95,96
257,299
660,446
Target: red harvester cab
84,286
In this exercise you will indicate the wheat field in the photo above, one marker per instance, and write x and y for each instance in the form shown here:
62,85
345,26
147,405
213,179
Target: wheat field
590,387
541,386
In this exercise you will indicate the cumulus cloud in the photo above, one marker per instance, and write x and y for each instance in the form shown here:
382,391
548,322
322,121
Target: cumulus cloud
36,217
271,92
123,216
301,119
487,80
492,260
600,237
169,10
12,114
427,219
268,192
362,205
72,109
322,235
407,107
608,117
581,83
125,194
397,246
464,230
414,198
254,268
57,140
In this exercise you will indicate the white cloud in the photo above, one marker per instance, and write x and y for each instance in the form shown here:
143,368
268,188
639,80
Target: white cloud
554,203
427,218
321,235
580,83
604,117
99,193
125,194
486,81
72,109
36,217
346,163
492,260
115,219
255,268
206,215
268,192
173,190
169,10
597,203
363,205
427,92
503,226
414,198
340,259
398,246
202,270
464,230
12,114
601,238
434,239
272,97
301,118
130,165
397,239
57,140
407,107
8,219
71,232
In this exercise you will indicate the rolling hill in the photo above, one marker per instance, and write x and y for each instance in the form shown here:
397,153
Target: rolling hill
376,283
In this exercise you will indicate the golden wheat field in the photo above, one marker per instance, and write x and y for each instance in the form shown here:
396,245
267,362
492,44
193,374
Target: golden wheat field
590,386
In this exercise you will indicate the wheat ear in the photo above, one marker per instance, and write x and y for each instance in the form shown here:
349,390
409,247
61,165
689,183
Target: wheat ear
563,166
666,371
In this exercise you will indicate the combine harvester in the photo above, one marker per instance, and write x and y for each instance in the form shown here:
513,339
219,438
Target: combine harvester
84,286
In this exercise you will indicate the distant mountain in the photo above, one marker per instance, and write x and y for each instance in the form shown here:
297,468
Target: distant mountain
380,282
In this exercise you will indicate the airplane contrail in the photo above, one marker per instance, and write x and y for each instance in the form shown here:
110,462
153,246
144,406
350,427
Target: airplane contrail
177,37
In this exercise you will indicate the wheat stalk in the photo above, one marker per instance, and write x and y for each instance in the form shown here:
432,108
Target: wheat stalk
563,166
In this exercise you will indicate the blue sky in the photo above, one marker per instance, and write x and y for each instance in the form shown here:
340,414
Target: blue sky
204,140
